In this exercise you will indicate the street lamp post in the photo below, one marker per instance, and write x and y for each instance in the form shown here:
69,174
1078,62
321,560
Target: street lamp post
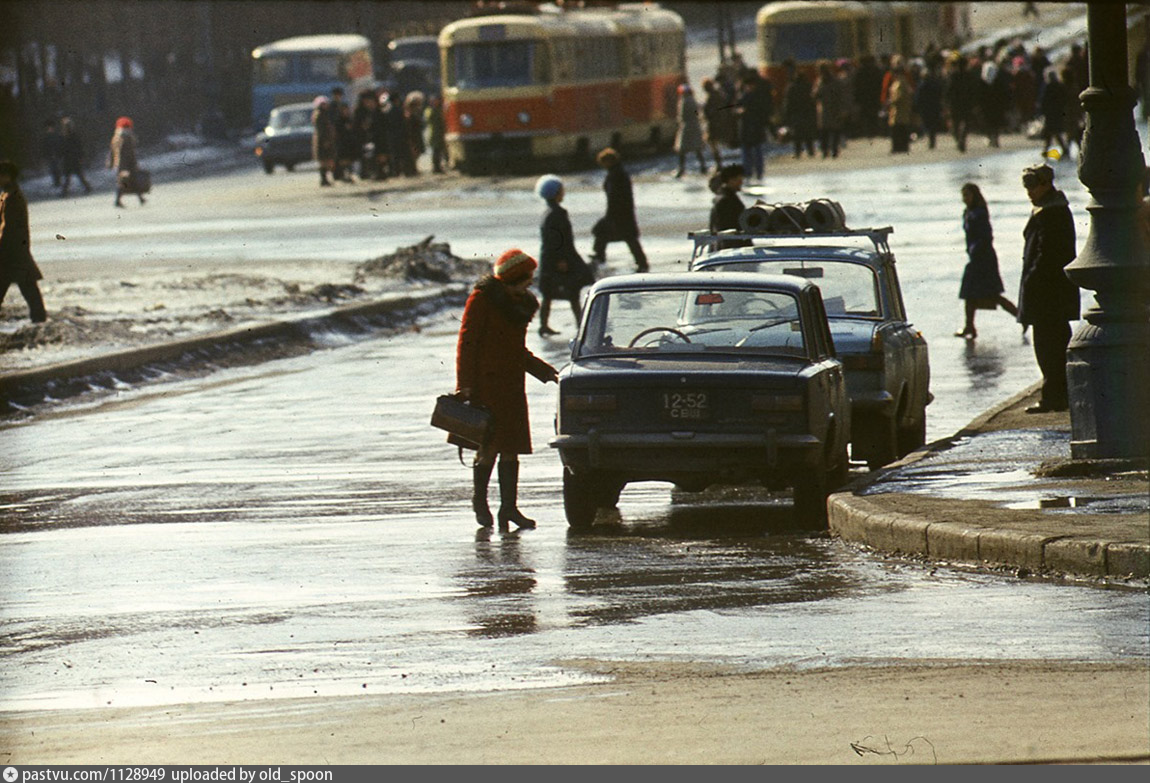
1108,361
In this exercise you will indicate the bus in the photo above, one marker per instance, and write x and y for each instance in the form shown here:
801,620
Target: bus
298,69
519,89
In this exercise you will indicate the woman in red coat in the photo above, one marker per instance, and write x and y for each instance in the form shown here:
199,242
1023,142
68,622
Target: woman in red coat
490,366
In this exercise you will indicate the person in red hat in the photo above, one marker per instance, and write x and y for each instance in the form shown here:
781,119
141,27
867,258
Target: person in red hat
491,363
122,159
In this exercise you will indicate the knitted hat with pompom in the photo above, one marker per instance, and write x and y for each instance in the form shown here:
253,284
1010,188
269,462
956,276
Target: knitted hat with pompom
514,266
548,186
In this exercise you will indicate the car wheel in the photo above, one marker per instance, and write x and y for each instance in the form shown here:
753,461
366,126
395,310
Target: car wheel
269,167
580,501
912,436
289,166
810,492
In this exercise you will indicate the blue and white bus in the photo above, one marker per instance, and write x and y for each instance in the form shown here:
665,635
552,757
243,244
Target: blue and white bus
298,69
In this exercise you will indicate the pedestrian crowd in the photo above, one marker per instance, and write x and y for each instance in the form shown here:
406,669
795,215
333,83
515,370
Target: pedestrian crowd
999,89
382,136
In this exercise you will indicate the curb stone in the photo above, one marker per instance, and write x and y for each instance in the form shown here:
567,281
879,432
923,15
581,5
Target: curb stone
865,520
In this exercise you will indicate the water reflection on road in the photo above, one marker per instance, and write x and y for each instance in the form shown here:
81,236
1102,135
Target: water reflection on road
297,528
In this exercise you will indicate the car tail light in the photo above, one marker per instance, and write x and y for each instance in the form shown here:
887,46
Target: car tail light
862,361
589,402
788,403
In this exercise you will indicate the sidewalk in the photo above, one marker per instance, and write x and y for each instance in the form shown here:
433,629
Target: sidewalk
1004,493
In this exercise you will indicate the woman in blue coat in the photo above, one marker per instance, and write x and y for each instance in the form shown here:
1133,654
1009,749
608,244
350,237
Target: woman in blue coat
981,283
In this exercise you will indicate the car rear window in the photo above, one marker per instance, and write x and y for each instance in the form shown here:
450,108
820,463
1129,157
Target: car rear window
677,321
849,290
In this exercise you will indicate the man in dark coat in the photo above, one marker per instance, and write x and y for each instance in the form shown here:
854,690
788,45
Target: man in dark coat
619,224
928,103
72,156
727,206
1052,107
50,150
960,98
799,112
868,95
1047,299
16,264
756,107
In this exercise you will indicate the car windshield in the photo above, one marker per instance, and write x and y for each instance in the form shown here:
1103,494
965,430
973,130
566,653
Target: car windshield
849,290
292,118
677,321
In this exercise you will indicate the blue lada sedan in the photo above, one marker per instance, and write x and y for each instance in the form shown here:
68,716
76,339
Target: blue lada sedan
886,361
699,379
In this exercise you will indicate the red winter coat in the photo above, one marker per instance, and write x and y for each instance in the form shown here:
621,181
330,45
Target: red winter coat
492,359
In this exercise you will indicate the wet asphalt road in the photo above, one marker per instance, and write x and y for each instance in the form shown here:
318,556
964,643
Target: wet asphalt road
297,528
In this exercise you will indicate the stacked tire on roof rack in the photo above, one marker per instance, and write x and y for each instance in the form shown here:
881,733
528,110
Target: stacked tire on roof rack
818,215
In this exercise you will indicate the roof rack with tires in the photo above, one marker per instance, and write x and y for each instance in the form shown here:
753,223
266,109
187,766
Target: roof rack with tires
763,221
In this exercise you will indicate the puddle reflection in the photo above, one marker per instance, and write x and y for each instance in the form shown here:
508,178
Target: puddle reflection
984,363
499,586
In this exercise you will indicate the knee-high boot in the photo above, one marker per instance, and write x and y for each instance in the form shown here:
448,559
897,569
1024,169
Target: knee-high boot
481,475
508,495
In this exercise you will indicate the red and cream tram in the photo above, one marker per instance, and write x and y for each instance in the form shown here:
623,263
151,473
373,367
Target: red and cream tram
807,32
519,89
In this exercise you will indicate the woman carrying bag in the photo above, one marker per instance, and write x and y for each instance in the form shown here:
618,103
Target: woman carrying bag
491,363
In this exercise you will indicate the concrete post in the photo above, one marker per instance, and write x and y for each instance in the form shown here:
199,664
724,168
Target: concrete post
1108,361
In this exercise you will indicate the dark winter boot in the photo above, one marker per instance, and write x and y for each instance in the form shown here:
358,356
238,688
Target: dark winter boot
508,494
481,475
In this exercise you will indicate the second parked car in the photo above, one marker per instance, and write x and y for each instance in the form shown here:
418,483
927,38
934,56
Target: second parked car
887,367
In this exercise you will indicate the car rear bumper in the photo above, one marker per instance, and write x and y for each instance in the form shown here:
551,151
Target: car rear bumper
678,454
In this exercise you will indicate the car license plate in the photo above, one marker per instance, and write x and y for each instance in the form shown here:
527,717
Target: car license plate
683,405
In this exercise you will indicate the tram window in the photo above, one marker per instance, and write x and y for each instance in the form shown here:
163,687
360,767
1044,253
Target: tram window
564,49
598,58
501,64
805,42
640,55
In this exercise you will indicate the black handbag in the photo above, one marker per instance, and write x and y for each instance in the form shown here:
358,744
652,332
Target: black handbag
468,425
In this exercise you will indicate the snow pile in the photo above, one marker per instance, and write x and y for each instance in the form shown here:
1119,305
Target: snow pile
426,261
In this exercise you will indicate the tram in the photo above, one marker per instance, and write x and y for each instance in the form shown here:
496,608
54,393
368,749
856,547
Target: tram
807,32
520,89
